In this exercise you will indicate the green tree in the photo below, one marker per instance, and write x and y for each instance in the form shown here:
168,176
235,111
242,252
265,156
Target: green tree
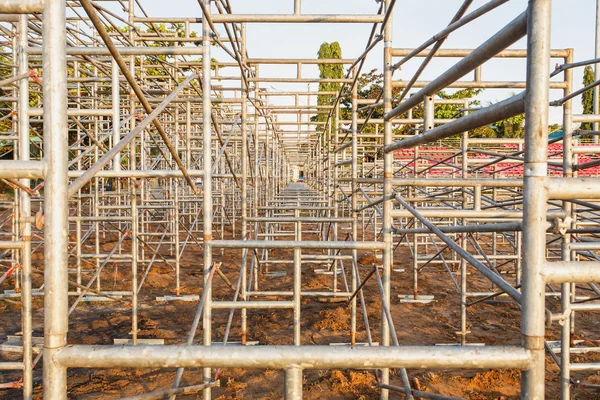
331,50
454,110
369,86
587,98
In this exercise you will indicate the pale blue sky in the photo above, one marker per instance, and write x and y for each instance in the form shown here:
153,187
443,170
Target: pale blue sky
414,22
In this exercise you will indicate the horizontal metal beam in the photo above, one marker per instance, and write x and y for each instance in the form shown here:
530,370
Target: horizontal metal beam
11,245
298,18
19,169
152,173
507,36
475,228
451,53
571,272
469,182
126,51
505,109
265,305
291,244
573,188
11,366
485,271
281,357
21,6
251,61
82,180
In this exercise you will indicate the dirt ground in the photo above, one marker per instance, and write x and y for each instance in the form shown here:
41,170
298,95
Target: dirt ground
493,323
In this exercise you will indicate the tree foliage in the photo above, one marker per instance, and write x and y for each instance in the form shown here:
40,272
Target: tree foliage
331,50
370,85
587,98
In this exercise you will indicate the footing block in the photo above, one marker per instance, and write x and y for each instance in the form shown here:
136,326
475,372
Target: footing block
359,344
248,343
98,299
326,272
190,297
555,346
276,274
422,298
150,342
333,299
14,344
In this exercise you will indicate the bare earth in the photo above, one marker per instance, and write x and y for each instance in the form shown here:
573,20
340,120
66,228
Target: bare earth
323,323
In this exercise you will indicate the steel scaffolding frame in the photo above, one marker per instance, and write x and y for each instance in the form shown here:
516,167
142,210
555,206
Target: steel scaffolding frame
140,146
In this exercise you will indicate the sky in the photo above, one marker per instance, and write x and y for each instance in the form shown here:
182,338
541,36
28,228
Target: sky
573,25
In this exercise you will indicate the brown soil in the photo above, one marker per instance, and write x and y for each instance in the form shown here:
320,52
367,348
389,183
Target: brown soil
493,323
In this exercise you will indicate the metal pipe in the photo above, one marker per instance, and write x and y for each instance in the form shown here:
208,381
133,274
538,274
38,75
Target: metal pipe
283,357
500,227
507,36
571,271
293,383
24,155
505,109
573,188
291,244
11,366
82,180
127,51
89,9
534,206
55,197
420,394
142,174
22,169
161,394
301,18
451,28
485,271
21,6
388,173
116,117
207,204
596,95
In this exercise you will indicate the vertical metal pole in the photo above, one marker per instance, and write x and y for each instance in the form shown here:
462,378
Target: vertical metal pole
55,197
24,151
463,240
99,184
244,159
78,244
354,206
297,278
565,296
335,192
175,192
596,95
387,192
176,232
534,194
116,117
188,134
134,261
293,383
428,116
293,376
265,192
268,165
207,199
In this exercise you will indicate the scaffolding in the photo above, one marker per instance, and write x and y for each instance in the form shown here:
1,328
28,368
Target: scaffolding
128,147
